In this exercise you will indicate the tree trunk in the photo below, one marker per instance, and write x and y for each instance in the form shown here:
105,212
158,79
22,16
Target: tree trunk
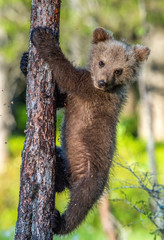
107,219
146,101
37,189
4,115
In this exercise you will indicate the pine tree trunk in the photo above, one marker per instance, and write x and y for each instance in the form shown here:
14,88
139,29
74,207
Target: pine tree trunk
37,188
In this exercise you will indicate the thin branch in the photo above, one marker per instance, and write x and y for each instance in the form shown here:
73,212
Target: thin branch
155,192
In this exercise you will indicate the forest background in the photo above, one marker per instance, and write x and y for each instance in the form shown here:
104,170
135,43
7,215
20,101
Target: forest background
141,121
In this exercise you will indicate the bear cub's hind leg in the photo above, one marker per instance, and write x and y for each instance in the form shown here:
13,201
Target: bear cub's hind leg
61,171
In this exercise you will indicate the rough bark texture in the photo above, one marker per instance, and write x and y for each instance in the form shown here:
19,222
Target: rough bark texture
37,189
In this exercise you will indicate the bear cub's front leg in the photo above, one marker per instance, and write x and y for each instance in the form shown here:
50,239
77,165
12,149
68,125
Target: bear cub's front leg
61,98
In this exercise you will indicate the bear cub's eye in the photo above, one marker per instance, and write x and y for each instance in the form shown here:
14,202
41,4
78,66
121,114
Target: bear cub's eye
118,72
101,64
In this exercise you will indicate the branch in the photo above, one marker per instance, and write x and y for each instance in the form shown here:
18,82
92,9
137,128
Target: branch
155,192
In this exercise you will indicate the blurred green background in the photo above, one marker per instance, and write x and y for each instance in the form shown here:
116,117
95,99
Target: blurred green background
137,21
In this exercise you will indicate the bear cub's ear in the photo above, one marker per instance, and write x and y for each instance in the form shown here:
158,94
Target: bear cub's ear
141,52
100,35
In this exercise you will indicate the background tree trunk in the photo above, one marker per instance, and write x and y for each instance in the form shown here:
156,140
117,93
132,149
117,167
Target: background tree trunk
37,189
154,80
4,115
107,219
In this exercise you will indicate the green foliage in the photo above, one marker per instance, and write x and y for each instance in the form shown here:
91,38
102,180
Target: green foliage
154,12
14,23
59,119
15,145
133,189
7,235
9,192
19,111
128,127
124,18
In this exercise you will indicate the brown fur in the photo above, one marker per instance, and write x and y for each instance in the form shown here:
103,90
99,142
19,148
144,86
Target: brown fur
95,96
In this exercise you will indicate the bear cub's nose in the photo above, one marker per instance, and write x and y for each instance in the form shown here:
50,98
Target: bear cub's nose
101,83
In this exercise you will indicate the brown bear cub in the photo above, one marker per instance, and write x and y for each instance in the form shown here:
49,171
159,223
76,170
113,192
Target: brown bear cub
94,98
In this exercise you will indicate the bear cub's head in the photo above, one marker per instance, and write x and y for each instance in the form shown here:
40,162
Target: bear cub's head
113,63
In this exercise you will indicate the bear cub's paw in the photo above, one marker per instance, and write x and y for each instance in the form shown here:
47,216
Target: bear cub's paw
24,63
42,37
56,221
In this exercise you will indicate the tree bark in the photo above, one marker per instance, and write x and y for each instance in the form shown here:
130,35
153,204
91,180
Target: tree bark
37,188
